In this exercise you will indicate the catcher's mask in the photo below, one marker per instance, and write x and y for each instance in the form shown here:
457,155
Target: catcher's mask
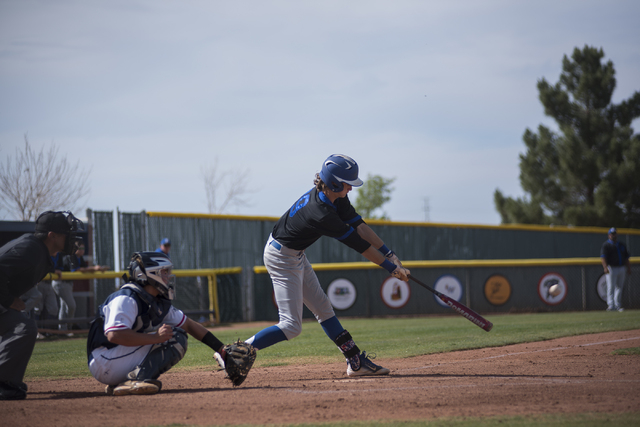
61,223
153,268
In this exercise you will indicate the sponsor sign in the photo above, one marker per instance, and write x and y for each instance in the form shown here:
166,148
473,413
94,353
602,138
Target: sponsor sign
546,282
394,292
497,289
450,286
342,294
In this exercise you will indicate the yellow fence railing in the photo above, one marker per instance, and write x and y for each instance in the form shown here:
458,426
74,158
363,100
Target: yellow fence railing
210,273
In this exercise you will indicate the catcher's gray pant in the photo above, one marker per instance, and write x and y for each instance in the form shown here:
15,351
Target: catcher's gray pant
67,301
615,283
294,284
112,366
17,339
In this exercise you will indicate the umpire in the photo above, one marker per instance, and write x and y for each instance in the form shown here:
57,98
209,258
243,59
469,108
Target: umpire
23,263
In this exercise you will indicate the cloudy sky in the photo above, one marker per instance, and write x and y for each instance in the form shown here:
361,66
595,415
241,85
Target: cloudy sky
435,94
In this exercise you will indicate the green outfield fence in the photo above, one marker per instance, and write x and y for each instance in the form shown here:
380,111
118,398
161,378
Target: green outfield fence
471,253
581,277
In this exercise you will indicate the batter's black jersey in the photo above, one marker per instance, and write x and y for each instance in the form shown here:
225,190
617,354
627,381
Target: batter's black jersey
314,216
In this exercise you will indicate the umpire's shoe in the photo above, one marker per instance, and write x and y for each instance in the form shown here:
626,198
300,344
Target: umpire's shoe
367,367
12,391
137,387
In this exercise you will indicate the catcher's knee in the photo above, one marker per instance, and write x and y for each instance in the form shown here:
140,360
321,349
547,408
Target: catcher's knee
161,357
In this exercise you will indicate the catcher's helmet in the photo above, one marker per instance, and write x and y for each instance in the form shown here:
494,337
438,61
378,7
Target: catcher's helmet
337,169
153,268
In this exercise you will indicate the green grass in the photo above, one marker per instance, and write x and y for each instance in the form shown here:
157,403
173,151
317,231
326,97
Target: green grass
388,338
633,351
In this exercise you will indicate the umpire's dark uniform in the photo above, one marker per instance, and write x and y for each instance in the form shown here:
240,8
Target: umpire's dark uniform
23,263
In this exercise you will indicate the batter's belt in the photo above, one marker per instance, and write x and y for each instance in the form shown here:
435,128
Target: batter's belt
282,248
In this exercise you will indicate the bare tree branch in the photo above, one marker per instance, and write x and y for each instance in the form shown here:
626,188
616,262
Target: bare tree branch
225,189
33,182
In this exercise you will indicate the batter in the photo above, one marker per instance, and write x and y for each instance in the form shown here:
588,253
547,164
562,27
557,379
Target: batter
324,210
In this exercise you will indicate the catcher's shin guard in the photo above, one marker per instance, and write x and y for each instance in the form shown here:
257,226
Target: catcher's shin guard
161,358
349,348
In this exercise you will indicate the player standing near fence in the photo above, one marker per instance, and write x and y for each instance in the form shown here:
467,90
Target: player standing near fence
615,262
324,210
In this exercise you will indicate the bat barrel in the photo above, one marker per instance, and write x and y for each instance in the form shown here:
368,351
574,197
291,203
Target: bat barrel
460,308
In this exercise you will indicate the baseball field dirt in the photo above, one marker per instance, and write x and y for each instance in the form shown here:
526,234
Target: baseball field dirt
568,375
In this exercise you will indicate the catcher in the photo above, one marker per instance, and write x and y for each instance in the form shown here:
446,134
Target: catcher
138,335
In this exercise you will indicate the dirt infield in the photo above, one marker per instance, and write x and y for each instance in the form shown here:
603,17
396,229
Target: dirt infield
576,374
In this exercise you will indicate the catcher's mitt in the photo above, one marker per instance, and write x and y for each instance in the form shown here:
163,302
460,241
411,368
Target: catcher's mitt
238,360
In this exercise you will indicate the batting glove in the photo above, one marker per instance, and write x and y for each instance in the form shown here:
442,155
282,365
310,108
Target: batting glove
391,256
401,273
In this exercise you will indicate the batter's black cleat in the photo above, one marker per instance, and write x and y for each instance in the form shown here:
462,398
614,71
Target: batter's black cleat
367,367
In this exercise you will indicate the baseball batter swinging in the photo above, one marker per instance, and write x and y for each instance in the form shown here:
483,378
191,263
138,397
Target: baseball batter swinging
324,210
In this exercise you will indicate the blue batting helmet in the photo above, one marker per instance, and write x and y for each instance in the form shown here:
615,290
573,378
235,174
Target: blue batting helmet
337,169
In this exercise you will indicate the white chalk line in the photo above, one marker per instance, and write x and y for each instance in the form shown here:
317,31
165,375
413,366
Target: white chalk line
517,354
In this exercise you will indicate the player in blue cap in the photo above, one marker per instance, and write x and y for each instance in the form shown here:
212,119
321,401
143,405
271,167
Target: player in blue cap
165,246
615,260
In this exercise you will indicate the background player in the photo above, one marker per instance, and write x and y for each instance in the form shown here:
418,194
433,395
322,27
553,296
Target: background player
139,334
615,260
324,210
64,288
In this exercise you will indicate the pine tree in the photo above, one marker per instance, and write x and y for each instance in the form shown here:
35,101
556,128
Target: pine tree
589,174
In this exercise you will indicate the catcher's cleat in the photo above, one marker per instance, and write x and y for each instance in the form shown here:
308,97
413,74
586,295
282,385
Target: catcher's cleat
367,367
220,360
109,390
136,387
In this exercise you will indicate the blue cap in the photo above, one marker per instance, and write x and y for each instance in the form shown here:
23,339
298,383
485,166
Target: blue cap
613,230
165,241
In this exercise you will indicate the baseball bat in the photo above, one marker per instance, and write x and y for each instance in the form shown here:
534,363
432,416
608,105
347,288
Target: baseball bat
462,309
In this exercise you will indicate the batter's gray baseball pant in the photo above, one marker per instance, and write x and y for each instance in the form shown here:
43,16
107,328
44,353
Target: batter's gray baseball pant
294,284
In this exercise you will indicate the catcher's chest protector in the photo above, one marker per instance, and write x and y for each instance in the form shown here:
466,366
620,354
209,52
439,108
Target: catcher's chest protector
151,313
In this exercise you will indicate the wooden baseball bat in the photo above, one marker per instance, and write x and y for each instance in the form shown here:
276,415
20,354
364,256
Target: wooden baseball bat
462,309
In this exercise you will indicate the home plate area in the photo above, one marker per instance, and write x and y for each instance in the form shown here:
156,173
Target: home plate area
567,375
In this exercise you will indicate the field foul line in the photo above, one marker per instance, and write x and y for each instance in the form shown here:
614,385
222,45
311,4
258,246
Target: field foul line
518,354
536,381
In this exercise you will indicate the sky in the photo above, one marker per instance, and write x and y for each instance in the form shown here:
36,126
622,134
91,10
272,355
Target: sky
435,94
